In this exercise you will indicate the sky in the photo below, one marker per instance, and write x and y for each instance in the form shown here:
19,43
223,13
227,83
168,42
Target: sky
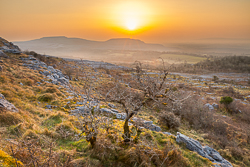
157,21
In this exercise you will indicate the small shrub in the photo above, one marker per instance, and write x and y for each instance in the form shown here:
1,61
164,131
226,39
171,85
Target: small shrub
194,112
47,97
220,128
226,100
245,114
237,153
170,120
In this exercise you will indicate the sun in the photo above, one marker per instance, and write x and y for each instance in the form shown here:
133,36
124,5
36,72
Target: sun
131,24
131,17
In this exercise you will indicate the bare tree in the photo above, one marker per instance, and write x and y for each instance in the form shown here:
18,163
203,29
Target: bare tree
148,90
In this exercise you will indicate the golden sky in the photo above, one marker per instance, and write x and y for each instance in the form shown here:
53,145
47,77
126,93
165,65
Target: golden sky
149,20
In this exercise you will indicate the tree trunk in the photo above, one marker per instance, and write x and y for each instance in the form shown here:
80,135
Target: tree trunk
126,131
92,141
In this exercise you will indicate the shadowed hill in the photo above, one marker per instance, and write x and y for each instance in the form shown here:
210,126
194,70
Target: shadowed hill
61,43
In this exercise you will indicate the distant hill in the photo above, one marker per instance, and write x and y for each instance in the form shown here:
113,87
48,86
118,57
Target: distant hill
62,45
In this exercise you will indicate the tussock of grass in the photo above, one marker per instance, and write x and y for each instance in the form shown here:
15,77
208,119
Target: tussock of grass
47,97
30,134
9,118
66,130
53,120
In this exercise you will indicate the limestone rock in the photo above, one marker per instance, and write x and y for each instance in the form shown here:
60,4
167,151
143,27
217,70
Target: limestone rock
106,110
6,104
215,105
167,133
114,110
148,123
209,106
155,128
120,116
207,152
2,54
111,105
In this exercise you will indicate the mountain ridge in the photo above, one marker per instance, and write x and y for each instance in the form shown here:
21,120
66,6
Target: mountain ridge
113,43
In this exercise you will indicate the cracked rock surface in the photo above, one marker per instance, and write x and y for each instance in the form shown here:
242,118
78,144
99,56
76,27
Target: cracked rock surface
205,151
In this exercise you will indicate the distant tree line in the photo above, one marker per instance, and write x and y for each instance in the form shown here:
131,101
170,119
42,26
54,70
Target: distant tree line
239,64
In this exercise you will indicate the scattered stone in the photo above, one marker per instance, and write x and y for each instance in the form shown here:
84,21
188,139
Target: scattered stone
205,151
148,123
120,116
111,105
155,128
209,106
167,133
6,104
48,106
215,105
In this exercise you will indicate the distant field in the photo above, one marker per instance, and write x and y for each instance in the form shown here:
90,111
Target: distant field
180,58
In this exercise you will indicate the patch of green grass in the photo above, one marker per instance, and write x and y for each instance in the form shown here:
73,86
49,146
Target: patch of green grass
195,159
52,121
80,145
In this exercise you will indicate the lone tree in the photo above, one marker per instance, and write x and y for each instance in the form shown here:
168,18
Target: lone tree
144,90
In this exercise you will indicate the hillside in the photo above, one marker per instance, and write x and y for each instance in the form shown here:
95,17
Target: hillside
64,46
64,112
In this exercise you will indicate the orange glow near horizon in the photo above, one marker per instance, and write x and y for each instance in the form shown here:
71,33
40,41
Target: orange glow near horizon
151,20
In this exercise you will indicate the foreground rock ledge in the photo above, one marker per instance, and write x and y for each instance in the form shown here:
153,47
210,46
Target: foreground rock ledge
205,151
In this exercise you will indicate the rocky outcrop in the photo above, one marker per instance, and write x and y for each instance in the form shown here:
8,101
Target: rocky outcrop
204,151
54,76
6,104
9,47
2,54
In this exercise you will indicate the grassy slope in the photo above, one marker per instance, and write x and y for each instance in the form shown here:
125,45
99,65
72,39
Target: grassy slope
35,122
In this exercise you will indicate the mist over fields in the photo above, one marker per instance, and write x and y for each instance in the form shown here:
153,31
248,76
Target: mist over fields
126,51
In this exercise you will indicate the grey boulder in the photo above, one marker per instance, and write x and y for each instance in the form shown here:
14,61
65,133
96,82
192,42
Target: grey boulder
6,104
207,152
